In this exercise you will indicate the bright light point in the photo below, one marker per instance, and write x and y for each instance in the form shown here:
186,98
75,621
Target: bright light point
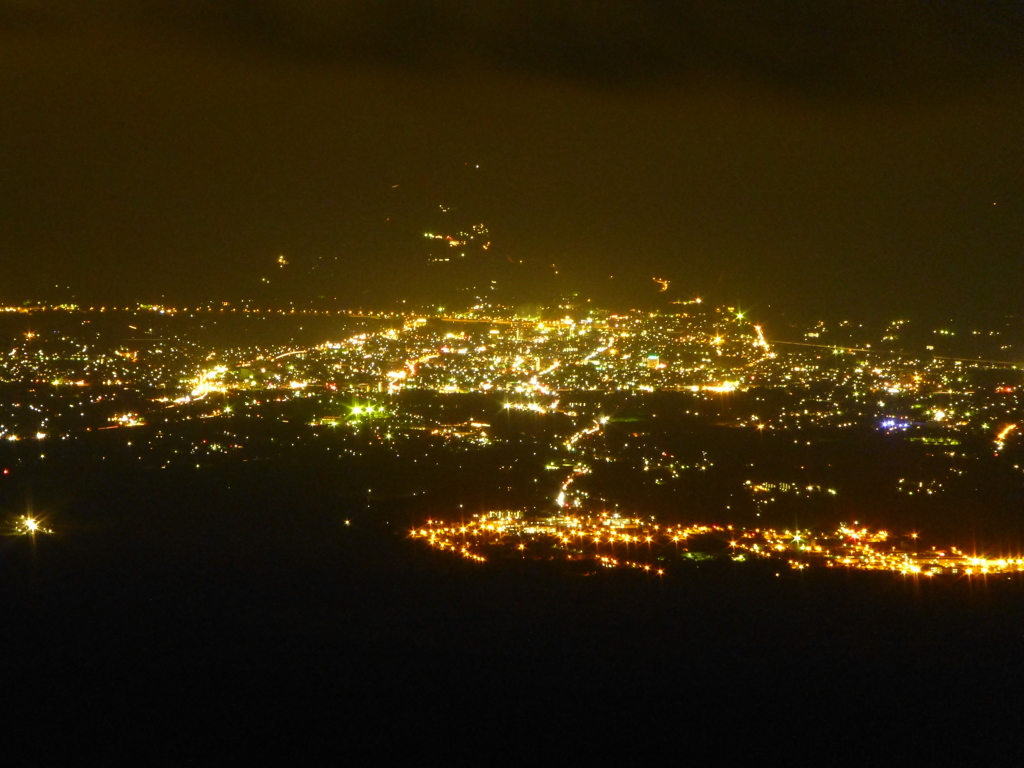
30,526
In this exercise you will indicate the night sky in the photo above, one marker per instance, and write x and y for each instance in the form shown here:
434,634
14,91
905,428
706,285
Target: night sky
813,156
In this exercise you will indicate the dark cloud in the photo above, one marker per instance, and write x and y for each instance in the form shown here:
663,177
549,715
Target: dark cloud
872,48
808,154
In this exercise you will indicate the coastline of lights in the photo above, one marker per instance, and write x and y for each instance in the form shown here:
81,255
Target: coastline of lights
611,541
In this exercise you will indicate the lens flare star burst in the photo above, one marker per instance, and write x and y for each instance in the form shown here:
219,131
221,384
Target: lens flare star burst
27,525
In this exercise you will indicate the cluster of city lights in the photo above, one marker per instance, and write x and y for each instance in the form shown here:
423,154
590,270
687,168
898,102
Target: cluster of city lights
26,525
574,378
611,541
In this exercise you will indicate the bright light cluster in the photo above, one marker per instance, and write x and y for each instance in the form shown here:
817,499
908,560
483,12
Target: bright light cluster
28,525
610,541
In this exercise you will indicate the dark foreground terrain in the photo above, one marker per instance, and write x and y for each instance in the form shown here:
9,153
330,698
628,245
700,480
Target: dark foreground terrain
186,616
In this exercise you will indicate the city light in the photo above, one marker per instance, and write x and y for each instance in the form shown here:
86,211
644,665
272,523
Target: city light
576,394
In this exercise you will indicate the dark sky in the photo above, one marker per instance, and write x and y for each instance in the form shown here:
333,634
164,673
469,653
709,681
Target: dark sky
819,156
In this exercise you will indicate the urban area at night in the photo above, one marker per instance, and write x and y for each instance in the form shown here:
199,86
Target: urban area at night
630,430
383,379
